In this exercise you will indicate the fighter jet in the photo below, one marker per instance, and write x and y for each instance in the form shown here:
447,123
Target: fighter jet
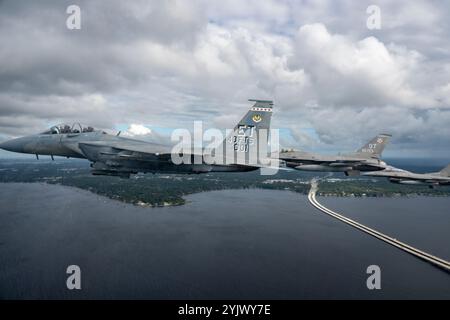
400,176
366,158
114,155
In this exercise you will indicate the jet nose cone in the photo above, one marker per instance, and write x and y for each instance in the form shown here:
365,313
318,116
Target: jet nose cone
14,145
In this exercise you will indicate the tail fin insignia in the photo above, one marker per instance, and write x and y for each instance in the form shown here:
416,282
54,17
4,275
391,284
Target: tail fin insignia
249,138
374,148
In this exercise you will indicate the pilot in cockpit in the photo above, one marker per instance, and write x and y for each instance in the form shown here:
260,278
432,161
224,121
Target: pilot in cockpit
88,129
65,129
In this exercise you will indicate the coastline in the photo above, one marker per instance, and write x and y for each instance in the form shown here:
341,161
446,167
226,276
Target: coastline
184,201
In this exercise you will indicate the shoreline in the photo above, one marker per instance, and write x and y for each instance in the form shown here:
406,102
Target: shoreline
185,201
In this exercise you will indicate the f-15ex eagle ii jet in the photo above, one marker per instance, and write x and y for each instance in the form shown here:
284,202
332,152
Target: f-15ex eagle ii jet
119,156
400,176
366,158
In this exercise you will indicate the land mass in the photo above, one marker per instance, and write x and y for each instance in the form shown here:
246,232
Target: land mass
170,189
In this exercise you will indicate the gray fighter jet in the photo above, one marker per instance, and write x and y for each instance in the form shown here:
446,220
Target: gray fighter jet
119,156
366,158
400,176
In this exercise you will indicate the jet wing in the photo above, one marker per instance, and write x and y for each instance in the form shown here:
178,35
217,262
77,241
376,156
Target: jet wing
145,151
131,149
131,145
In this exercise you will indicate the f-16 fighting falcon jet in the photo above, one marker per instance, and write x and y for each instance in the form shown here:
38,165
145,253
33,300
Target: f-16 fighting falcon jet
119,156
400,176
366,158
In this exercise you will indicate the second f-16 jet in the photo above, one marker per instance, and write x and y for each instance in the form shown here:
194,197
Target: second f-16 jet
119,156
400,176
366,158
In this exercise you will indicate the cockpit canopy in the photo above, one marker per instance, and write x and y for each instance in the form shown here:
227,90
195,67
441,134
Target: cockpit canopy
65,128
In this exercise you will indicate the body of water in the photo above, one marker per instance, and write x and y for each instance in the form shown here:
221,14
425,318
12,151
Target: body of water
232,244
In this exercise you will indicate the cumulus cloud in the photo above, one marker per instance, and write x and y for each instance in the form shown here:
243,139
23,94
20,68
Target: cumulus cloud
335,83
358,73
138,130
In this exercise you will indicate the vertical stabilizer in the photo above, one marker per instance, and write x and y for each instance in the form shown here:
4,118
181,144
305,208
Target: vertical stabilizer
374,148
445,172
248,141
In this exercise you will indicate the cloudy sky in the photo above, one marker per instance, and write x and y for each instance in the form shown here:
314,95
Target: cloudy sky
148,65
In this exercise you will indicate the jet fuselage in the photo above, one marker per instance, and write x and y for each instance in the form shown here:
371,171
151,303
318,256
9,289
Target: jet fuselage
400,176
366,158
98,147
341,163
121,156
